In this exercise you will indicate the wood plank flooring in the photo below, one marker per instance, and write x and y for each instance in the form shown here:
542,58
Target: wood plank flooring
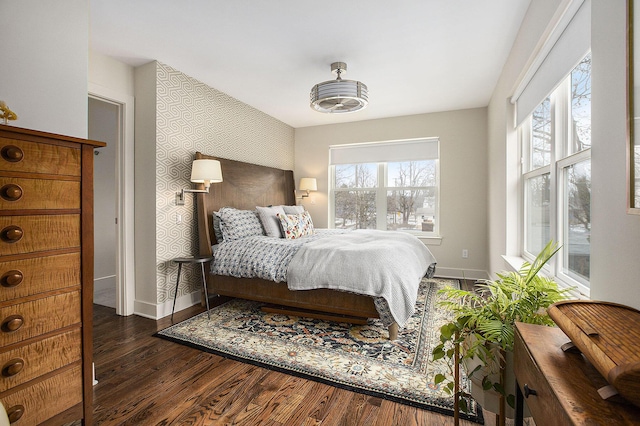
144,380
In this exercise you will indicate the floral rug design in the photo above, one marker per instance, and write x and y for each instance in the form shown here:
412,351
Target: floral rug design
356,357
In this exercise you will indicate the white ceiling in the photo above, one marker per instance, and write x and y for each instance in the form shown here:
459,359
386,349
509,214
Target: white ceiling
415,56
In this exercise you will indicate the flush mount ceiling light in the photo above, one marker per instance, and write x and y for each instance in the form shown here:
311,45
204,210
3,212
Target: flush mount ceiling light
339,96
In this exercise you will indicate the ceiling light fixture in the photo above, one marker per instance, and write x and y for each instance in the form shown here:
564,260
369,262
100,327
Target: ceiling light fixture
339,96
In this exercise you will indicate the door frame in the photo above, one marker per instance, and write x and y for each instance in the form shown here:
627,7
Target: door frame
125,242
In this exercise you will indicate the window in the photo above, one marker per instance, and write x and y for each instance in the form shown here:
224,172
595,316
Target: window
387,185
556,179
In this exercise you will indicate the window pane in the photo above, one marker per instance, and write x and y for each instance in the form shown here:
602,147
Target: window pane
411,210
411,173
541,135
577,247
356,175
355,209
537,210
581,106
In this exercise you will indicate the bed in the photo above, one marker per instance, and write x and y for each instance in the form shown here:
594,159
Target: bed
246,186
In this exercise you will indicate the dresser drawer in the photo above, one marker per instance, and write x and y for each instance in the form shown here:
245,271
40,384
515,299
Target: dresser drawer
28,362
31,319
45,399
27,234
544,403
18,193
30,157
20,278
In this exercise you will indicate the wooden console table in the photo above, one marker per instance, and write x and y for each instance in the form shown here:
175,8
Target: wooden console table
560,388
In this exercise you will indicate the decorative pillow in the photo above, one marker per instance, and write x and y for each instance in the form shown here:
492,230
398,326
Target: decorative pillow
270,221
293,209
216,227
296,225
236,224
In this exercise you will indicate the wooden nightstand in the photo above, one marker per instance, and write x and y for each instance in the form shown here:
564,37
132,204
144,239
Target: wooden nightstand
192,260
561,387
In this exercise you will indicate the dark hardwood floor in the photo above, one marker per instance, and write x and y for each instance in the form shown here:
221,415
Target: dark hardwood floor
144,380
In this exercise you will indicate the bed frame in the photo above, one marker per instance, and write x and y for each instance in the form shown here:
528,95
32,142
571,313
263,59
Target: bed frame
246,186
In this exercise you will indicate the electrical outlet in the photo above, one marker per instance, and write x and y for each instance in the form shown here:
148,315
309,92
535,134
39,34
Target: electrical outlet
178,219
465,253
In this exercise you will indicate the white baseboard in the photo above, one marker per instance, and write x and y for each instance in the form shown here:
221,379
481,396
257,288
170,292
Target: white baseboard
104,283
469,274
156,311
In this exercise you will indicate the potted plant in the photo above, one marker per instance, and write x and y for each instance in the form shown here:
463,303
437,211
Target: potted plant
480,335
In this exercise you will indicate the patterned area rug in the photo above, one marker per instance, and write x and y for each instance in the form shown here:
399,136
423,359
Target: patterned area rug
356,357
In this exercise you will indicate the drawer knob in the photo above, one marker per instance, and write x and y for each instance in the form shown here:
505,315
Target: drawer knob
12,153
528,391
12,323
13,367
11,234
11,192
15,413
11,278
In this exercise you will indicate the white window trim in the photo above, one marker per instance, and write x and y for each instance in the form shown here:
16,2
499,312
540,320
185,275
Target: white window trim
429,238
560,173
515,263
560,130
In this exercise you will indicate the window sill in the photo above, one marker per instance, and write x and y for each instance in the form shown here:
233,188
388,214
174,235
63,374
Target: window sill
430,240
515,263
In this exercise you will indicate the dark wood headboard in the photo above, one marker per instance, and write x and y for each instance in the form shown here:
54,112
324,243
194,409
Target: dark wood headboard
244,186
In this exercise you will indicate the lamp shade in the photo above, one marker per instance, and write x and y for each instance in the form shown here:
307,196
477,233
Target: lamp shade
308,184
206,170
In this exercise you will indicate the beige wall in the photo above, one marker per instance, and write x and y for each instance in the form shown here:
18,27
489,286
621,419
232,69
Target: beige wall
615,235
177,115
503,155
463,176
145,190
45,82
43,65
110,73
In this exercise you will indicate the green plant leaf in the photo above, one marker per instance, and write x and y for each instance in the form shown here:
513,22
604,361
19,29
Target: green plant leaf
439,378
511,400
438,353
483,321
448,330
486,384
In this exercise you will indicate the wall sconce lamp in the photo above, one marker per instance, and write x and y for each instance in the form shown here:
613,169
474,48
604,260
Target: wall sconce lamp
308,184
202,171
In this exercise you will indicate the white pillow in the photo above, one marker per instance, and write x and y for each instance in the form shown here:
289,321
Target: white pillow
293,209
270,221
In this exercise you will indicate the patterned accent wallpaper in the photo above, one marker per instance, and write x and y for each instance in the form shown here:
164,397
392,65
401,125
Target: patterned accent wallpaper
190,117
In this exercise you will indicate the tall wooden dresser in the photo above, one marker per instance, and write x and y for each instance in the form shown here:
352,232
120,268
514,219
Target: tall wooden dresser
46,276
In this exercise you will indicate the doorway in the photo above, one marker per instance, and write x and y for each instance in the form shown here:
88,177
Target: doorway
104,125
111,121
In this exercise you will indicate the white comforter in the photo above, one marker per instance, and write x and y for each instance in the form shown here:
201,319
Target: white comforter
385,264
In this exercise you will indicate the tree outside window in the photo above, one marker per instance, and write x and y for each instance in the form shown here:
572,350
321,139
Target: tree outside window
391,195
